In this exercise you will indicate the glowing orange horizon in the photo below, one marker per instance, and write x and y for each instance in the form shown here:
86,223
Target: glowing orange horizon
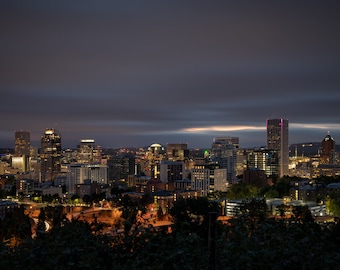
222,128
315,126
255,128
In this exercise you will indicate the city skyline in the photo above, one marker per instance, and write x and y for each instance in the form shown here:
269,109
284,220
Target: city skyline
131,74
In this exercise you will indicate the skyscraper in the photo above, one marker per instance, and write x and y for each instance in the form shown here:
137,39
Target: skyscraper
224,153
265,160
171,171
22,143
277,139
80,173
120,167
85,151
50,154
328,150
208,178
177,151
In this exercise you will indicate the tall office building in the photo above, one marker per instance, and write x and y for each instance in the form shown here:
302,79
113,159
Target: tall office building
277,139
151,160
22,143
120,167
224,153
208,178
50,154
200,179
265,160
171,171
328,150
80,173
177,151
85,151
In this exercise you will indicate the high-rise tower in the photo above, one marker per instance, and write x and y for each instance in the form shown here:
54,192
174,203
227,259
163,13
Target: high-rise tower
277,139
177,151
22,143
85,151
328,150
224,153
50,153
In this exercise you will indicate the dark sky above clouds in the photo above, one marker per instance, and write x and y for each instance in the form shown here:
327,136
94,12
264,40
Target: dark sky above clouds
133,73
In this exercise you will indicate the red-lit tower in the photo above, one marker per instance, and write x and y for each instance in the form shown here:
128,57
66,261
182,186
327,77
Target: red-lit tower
328,150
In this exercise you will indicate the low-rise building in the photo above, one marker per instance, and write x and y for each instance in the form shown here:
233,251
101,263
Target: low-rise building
6,206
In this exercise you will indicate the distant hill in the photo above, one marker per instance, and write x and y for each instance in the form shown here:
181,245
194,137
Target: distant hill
6,151
308,149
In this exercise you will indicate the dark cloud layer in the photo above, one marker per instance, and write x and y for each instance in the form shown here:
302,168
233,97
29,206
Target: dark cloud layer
137,72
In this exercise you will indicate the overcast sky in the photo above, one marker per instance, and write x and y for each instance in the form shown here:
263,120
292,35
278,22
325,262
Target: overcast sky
133,73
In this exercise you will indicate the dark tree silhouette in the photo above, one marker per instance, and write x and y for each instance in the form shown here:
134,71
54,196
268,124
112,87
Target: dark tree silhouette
41,226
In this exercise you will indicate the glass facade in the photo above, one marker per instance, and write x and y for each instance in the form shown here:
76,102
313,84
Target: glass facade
50,154
277,139
22,143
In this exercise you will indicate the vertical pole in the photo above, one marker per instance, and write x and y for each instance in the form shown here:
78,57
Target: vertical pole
212,240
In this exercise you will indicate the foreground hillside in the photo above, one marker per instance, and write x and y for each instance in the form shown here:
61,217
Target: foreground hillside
249,241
